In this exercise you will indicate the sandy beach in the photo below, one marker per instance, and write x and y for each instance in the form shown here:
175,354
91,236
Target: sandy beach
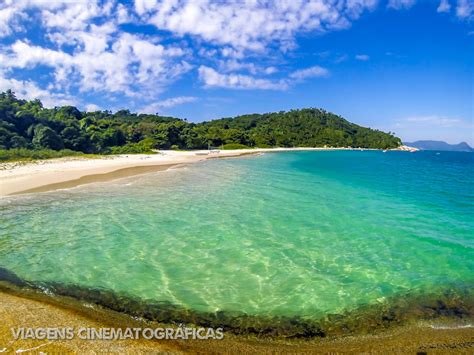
68,172
27,308
31,310
22,177
46,175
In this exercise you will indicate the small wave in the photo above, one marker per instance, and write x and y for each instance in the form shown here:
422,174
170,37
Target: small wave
46,290
458,326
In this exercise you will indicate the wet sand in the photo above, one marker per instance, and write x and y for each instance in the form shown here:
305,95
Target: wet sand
87,179
39,310
46,175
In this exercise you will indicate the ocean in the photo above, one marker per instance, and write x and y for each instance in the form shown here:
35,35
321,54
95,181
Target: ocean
313,243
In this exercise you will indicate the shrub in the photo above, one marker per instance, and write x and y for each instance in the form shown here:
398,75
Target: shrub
29,154
145,146
234,146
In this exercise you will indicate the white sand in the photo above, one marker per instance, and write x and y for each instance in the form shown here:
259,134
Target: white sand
18,177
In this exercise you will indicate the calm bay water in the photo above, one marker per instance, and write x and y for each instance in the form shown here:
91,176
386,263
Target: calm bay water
297,234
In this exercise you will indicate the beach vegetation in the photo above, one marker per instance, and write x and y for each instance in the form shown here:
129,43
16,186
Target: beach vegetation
28,125
231,146
15,154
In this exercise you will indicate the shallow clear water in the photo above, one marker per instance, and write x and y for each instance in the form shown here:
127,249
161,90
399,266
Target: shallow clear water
294,234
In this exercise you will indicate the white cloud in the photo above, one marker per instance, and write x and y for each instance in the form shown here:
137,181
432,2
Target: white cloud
212,78
123,14
142,6
177,101
233,44
233,65
11,14
401,4
465,9
98,65
444,6
92,108
7,16
251,25
87,50
271,70
312,72
362,57
171,102
26,89
75,15
357,7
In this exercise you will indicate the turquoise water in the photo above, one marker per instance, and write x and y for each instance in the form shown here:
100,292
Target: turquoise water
294,234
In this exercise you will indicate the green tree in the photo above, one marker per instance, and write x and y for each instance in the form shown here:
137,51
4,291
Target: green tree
45,137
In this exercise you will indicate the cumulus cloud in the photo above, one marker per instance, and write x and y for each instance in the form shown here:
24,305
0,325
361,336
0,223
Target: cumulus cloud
7,16
232,44
92,108
87,50
129,61
270,70
26,89
250,25
170,102
74,15
211,78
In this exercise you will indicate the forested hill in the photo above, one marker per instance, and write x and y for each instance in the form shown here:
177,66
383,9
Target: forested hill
28,125
300,128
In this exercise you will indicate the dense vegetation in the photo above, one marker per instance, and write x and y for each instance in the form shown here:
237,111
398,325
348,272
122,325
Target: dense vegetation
27,125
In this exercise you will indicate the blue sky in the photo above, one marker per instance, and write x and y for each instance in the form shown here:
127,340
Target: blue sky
404,66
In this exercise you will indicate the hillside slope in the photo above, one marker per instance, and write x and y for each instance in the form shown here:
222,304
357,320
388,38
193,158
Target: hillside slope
28,125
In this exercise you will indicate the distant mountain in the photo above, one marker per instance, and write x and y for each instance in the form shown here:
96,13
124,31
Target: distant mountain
440,145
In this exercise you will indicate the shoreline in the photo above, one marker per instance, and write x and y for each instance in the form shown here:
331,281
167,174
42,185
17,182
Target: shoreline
53,174
405,331
48,175
448,305
445,304
40,310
